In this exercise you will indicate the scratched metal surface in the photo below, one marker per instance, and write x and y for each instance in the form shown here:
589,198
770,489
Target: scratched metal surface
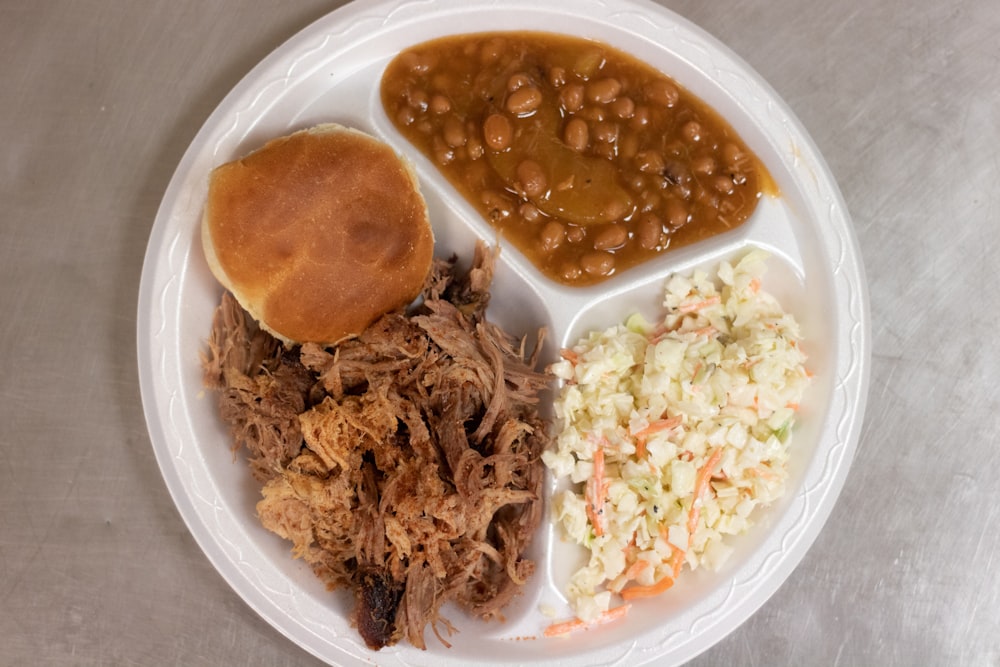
101,98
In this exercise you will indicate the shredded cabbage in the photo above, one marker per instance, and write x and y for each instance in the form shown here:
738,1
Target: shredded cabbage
647,408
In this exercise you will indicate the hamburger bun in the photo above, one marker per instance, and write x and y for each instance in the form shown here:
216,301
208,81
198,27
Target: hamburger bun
318,233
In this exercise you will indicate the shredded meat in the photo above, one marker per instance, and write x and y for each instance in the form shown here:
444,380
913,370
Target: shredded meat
403,463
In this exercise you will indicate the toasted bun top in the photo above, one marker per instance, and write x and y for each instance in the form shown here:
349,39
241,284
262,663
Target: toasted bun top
318,233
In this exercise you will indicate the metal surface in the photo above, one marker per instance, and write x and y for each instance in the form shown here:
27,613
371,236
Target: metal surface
100,100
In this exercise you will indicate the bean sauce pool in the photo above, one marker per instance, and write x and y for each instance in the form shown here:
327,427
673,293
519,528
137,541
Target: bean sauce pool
588,160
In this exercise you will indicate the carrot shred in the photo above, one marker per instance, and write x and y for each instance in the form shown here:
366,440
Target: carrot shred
647,591
596,492
755,285
640,447
636,568
654,427
677,559
570,356
761,471
702,479
658,425
698,305
565,627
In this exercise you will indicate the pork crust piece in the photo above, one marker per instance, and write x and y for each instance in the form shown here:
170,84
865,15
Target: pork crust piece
403,464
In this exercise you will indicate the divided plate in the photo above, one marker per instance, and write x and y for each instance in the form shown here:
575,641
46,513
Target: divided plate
331,71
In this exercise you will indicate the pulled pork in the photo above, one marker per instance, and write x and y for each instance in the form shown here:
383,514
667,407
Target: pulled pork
403,463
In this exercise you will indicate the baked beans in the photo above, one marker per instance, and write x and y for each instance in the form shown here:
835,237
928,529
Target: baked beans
588,160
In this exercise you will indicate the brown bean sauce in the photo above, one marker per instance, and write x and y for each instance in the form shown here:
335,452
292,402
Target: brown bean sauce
588,160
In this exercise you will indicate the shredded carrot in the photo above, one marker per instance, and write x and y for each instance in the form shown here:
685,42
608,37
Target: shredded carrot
565,627
657,334
698,305
653,427
596,492
636,568
700,486
705,473
659,425
755,285
570,356
761,471
640,447
647,591
792,405
677,559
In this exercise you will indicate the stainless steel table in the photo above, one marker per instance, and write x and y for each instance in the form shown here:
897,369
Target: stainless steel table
100,100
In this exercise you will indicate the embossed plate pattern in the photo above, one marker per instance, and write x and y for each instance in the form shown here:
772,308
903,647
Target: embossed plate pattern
330,72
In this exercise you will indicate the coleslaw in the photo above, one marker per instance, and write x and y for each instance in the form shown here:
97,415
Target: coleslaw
671,433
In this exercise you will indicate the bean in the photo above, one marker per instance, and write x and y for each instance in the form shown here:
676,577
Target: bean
498,207
519,80
703,164
610,237
571,97
575,234
733,156
532,178
440,104
497,131
598,263
649,231
691,131
418,99
641,118
649,162
577,134
570,271
662,93
724,184
443,153
628,145
557,77
592,114
530,212
606,131
623,107
406,116
552,235
676,212
614,209
675,172
650,200
474,148
524,101
492,50
453,132
418,63
604,91
605,150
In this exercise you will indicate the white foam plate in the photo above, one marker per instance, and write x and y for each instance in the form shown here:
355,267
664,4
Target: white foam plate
330,71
